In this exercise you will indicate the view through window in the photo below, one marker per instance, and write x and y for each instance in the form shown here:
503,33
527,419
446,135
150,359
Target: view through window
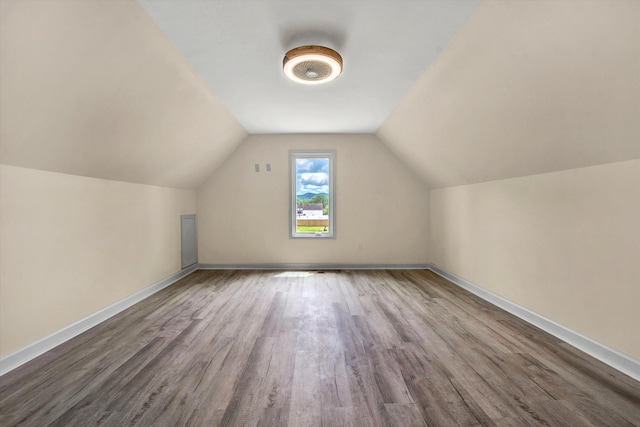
312,201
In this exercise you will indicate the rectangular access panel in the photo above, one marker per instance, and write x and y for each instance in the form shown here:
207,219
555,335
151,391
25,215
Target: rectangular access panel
189,243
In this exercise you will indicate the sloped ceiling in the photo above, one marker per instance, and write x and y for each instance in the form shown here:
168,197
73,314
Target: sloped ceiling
238,47
94,88
526,87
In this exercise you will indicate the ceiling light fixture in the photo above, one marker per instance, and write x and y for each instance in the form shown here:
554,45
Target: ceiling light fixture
312,65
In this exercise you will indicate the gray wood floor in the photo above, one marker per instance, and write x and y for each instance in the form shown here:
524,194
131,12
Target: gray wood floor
351,348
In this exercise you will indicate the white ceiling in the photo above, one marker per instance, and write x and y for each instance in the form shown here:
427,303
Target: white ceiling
238,46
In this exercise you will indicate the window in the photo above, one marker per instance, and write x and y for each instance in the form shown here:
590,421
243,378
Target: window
312,201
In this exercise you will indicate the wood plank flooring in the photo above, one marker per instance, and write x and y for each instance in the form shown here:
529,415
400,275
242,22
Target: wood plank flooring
350,348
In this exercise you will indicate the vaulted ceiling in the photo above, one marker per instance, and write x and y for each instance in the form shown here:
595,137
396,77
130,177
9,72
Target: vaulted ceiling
238,47
162,91
94,88
526,87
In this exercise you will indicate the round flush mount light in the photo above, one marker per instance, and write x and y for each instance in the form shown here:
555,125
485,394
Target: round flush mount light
312,65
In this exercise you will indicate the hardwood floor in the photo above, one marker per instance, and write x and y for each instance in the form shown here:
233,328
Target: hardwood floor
351,348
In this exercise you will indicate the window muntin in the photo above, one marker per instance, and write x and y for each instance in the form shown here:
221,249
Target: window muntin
312,190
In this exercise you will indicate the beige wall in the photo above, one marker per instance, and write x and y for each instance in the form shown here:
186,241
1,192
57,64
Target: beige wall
98,90
565,245
381,208
541,104
525,88
73,245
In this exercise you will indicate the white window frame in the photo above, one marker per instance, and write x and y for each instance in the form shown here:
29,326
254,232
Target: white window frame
305,154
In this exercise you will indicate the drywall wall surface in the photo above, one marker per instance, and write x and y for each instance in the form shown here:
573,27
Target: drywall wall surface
525,88
565,245
95,88
381,208
73,245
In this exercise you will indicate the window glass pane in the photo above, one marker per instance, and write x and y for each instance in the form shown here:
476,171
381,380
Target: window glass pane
312,196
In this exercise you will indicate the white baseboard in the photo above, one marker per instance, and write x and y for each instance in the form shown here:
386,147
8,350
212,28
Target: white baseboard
611,357
313,266
33,350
